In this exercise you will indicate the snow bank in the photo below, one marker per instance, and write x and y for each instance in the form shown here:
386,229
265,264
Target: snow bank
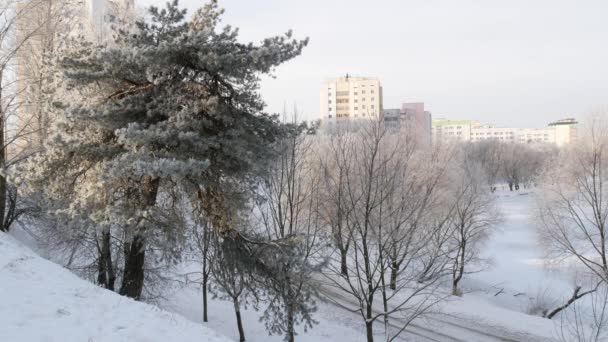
41,301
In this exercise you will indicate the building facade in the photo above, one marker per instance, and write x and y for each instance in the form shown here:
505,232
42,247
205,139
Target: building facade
565,131
349,98
414,118
451,130
561,132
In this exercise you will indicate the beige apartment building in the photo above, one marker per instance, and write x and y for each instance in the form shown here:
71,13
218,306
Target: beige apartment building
349,98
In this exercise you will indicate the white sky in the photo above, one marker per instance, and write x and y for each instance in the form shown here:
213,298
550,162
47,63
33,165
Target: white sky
510,62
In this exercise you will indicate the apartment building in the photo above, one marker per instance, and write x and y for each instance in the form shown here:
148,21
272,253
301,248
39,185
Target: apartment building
413,117
560,132
489,132
350,98
451,130
565,131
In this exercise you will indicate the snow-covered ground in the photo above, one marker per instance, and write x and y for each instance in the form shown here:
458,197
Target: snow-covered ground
519,277
335,324
517,272
41,301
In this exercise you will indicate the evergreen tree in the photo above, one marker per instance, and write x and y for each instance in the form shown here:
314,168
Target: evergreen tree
175,104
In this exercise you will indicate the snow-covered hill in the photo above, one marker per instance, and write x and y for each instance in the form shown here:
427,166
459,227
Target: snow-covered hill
41,301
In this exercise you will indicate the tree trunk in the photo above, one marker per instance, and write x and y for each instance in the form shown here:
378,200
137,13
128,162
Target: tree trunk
290,323
205,280
107,257
3,227
369,327
133,279
105,275
239,322
394,272
343,263
575,296
101,269
459,271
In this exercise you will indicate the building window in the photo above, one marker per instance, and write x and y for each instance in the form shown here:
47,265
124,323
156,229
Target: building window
329,116
372,99
372,91
355,93
329,109
362,91
356,107
329,101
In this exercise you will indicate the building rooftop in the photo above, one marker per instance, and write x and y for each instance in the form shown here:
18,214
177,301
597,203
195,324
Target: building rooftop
451,122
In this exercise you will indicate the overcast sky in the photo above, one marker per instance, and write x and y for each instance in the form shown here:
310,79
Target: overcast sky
513,63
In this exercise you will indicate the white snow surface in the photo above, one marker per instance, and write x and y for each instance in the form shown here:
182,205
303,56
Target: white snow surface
41,301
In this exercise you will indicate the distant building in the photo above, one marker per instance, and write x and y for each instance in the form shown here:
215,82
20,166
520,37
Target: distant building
350,98
565,131
489,132
451,130
413,117
561,132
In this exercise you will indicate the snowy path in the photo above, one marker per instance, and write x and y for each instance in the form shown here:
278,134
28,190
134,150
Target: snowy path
442,327
518,267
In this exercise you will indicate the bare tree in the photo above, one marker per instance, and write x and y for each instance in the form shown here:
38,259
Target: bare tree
290,213
336,208
573,206
475,216
203,234
586,323
384,228
232,275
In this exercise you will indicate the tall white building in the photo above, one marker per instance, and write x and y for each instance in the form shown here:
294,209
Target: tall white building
349,98
565,131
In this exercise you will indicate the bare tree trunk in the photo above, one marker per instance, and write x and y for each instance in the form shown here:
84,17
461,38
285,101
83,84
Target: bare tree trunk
205,281
369,328
239,321
343,262
3,226
101,269
394,269
107,258
459,269
290,322
576,295
133,278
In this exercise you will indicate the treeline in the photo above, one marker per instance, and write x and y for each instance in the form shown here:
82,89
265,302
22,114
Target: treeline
516,165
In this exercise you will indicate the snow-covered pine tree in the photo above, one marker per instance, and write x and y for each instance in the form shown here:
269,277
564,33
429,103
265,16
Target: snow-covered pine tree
175,103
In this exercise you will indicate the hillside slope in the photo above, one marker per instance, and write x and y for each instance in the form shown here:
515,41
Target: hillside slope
41,301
